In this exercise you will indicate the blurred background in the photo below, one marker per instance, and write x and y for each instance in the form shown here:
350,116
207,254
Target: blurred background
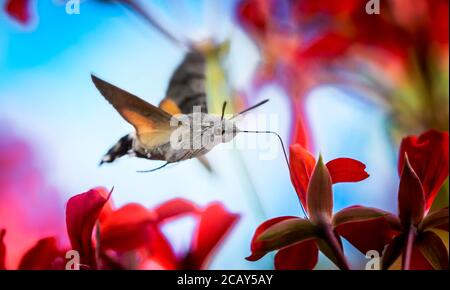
55,126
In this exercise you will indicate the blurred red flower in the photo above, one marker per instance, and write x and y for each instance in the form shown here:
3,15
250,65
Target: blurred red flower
423,168
394,58
213,223
287,58
19,10
26,212
298,240
129,237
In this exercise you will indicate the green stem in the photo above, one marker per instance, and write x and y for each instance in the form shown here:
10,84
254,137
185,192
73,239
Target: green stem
407,253
335,247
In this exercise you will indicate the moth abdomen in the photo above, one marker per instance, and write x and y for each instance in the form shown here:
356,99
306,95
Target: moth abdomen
121,148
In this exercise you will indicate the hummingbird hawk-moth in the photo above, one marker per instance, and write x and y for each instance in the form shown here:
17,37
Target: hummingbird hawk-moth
160,131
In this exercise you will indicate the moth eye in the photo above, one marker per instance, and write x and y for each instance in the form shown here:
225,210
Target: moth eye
223,132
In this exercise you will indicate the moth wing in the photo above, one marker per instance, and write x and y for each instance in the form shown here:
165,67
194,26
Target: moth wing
186,87
152,124
169,106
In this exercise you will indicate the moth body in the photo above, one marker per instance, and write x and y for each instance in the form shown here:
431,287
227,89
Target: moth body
195,135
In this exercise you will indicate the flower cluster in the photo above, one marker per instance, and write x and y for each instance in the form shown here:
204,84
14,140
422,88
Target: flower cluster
423,168
397,57
129,237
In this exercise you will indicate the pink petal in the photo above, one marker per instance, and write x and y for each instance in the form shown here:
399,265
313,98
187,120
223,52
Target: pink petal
44,255
2,250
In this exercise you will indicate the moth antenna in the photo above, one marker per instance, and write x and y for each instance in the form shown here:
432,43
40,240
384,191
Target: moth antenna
224,106
154,169
284,153
250,108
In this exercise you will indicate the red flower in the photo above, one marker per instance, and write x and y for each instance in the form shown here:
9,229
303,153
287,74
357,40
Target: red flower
424,162
25,211
213,224
340,170
308,43
129,237
286,55
45,254
298,239
82,213
19,10
428,155
254,16
134,228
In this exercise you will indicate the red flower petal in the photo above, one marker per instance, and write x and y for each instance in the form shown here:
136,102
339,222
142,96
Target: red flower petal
255,244
174,208
428,155
253,16
356,213
418,260
214,224
439,28
346,170
44,255
368,235
2,250
302,165
81,215
300,128
328,46
301,256
161,251
19,10
336,8
411,201
127,228
319,197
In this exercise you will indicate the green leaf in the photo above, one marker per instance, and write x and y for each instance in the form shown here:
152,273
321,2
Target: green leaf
393,251
330,250
437,219
285,233
433,250
411,200
319,197
356,214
